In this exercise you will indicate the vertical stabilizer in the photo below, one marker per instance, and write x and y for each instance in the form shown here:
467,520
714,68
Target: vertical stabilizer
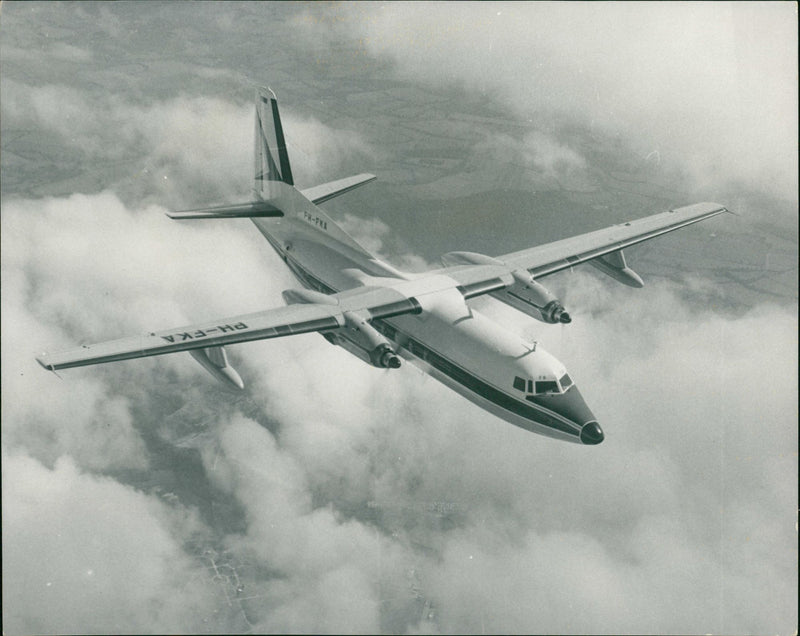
274,184
271,159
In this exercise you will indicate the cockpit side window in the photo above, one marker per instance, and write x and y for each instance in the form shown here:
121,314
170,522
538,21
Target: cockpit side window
566,382
519,384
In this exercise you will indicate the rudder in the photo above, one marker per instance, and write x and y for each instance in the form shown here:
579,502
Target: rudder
271,158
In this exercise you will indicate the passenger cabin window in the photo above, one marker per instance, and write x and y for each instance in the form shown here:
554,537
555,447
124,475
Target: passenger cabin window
566,382
546,386
519,384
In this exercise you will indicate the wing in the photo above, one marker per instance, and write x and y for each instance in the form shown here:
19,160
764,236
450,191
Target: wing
332,312
478,274
473,274
553,257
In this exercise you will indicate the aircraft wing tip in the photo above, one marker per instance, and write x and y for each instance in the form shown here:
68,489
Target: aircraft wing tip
42,360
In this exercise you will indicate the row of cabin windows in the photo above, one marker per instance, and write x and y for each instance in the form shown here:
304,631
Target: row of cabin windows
542,386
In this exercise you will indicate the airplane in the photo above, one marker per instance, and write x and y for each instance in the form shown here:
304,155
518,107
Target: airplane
383,315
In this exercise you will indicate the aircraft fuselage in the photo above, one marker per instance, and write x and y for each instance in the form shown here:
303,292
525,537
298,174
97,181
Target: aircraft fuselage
483,361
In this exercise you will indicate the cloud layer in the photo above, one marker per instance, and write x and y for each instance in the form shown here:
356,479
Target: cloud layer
710,87
339,479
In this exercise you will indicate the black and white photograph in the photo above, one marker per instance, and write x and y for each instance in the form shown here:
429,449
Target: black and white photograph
399,317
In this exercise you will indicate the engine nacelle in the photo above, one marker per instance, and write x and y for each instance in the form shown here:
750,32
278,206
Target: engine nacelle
533,299
362,340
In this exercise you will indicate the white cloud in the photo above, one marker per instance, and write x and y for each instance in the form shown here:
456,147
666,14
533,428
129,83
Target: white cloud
368,473
551,157
653,513
711,87
55,296
190,150
194,144
87,554
325,564
316,150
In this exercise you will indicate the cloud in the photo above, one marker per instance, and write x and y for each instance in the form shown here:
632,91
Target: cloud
334,480
316,149
378,238
185,150
203,144
710,88
549,156
560,537
54,294
684,446
90,555
326,565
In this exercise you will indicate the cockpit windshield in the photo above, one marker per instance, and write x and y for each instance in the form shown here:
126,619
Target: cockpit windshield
541,387
546,386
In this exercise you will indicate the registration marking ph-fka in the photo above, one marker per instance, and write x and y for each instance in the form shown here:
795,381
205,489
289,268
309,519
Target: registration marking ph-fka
315,220
204,333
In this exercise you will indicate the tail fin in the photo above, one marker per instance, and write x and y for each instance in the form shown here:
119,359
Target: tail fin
274,184
271,159
275,193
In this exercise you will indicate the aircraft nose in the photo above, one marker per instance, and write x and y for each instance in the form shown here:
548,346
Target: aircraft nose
591,433
572,406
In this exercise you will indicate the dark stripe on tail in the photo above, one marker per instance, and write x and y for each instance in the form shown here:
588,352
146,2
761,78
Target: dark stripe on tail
286,169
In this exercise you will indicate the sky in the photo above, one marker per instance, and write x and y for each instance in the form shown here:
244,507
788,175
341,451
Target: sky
329,496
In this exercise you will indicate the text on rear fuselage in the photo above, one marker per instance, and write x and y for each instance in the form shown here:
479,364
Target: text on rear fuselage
315,220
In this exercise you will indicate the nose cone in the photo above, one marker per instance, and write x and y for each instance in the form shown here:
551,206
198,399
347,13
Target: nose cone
591,433
572,406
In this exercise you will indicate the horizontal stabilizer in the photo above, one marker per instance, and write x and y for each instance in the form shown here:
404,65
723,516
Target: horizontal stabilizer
241,210
326,191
